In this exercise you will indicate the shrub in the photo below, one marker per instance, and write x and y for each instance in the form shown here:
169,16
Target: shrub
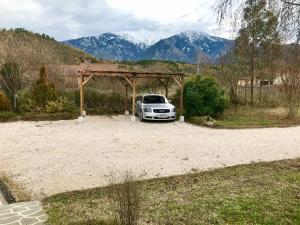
49,117
25,102
126,200
5,103
8,116
62,104
43,90
203,96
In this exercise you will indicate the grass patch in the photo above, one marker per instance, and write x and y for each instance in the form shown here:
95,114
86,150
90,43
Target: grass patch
261,193
250,117
11,116
48,116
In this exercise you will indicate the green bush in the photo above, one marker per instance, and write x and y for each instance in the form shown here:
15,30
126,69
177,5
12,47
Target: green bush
25,102
60,105
8,116
5,103
203,96
43,90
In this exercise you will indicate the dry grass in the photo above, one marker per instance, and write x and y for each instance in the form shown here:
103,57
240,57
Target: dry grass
15,189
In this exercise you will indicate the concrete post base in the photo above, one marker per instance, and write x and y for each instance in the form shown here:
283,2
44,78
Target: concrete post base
181,119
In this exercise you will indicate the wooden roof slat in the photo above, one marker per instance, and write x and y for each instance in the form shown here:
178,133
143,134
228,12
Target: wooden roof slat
137,74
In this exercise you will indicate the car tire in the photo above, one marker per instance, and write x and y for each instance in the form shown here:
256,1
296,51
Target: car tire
141,117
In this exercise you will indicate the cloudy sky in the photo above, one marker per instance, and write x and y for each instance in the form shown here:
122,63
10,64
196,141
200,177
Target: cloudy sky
66,19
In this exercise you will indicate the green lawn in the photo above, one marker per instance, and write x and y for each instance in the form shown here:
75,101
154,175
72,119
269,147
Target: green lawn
262,193
250,117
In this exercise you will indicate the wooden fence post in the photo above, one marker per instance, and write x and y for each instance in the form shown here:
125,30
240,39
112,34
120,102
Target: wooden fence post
81,95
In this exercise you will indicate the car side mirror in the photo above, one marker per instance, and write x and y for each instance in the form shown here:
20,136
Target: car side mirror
169,100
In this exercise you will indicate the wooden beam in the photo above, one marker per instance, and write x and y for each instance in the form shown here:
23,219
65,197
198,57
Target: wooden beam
126,97
167,87
133,95
87,79
181,100
81,95
179,83
128,81
181,86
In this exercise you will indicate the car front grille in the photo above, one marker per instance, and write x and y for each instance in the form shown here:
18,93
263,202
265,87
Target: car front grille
161,110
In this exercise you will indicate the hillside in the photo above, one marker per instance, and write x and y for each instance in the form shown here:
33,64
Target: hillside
31,50
182,47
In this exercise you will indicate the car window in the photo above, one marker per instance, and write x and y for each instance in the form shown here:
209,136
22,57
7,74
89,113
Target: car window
152,99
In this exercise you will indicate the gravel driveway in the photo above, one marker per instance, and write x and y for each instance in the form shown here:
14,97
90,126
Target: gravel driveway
53,157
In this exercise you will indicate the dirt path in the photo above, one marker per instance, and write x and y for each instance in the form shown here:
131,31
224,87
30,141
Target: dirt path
53,157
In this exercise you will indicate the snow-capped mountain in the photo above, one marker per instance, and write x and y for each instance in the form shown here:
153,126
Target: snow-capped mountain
184,47
145,37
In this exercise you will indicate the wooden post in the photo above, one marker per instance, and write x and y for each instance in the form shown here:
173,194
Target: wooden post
181,100
181,86
167,87
126,97
81,95
133,95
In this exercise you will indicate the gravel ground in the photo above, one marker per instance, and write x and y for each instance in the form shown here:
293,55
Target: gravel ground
53,157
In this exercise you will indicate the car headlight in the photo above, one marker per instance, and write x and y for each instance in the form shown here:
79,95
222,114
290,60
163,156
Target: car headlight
174,110
147,110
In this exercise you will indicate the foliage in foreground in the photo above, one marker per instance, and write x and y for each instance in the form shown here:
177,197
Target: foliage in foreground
203,96
261,193
5,103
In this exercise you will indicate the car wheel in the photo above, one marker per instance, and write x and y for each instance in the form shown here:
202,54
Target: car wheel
141,117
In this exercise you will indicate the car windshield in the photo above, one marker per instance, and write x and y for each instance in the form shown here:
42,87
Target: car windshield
153,99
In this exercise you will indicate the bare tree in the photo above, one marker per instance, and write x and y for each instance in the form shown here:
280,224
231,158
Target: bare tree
290,78
288,12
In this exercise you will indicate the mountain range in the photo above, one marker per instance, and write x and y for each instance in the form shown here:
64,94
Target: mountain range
188,47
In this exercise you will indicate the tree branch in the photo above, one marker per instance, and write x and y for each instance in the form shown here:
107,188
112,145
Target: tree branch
290,3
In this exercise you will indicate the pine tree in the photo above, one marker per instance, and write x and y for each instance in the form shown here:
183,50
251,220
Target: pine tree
43,90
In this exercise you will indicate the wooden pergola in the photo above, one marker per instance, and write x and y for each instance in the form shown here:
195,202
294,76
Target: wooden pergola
131,79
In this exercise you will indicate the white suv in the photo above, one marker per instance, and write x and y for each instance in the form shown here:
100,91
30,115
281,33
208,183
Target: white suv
154,107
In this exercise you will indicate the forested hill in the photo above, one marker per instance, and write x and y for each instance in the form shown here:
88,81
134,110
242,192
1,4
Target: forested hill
31,50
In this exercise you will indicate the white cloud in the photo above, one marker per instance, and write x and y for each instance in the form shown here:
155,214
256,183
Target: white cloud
75,18
164,11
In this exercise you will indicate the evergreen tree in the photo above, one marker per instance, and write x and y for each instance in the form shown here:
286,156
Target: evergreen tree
43,90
